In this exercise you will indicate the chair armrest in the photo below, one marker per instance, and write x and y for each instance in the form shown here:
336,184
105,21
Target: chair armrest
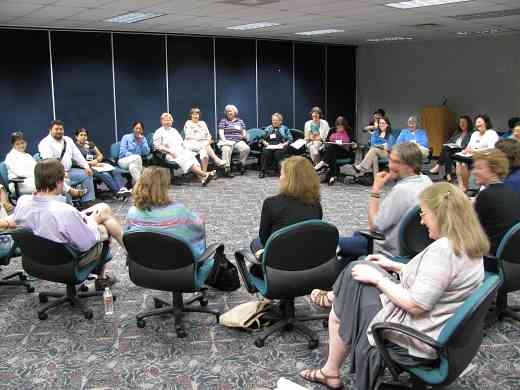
372,234
249,257
380,327
240,258
209,252
19,179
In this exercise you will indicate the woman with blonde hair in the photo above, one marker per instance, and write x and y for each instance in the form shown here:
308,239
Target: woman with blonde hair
431,287
297,201
154,210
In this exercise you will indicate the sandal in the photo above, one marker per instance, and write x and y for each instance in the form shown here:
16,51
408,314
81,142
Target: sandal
321,298
312,376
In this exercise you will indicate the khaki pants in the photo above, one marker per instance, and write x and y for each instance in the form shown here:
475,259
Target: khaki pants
240,146
134,164
371,160
314,150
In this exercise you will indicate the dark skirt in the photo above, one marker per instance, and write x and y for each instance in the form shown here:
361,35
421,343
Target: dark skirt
355,305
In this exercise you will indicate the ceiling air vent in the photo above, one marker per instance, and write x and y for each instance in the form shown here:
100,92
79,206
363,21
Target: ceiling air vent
426,26
248,3
488,15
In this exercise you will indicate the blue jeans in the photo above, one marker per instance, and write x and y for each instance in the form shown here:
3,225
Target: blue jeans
78,176
113,179
351,248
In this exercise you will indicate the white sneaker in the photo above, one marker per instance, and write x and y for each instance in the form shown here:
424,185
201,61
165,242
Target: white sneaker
320,165
123,191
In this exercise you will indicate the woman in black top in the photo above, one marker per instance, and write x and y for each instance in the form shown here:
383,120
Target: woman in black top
111,177
298,200
460,138
497,205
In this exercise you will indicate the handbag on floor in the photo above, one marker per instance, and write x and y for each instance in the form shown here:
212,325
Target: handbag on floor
247,316
224,275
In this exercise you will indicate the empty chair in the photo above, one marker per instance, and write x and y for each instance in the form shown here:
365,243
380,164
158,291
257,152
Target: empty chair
7,252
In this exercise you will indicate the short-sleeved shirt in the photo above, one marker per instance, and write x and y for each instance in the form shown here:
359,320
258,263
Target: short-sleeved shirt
485,141
232,128
401,198
439,282
196,131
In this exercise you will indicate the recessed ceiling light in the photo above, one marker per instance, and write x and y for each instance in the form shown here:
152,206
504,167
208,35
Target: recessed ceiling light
422,3
319,32
494,30
389,39
253,26
133,17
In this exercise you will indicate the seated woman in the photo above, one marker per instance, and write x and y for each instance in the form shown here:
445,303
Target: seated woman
511,149
415,135
335,150
198,139
496,204
516,132
315,134
167,139
460,138
232,136
274,143
108,174
380,145
483,138
432,286
154,210
298,201
133,148
374,121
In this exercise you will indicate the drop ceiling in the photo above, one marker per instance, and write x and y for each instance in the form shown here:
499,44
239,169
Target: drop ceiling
361,20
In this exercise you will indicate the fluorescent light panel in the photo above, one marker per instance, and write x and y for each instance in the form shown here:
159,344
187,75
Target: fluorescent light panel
319,32
133,17
422,3
489,31
389,39
253,26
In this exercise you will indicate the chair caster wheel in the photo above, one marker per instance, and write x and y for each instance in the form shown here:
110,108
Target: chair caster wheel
30,289
313,344
141,323
83,288
181,333
43,316
43,298
259,343
158,304
88,314
23,277
203,302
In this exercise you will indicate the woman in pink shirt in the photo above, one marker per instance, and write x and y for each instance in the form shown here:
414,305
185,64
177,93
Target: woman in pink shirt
336,148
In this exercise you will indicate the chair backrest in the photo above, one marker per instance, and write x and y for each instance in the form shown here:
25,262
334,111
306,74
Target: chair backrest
149,139
296,134
299,258
46,259
114,151
160,261
4,176
253,135
413,237
508,255
462,335
37,156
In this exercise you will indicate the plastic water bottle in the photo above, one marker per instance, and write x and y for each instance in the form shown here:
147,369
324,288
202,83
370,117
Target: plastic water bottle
108,299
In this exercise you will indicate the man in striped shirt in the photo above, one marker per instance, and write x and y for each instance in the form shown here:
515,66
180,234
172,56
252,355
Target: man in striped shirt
233,136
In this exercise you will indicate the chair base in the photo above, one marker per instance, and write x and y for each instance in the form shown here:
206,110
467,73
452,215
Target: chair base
22,281
504,310
288,321
71,297
177,308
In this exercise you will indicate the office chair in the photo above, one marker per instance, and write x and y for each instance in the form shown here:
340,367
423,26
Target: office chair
5,258
5,181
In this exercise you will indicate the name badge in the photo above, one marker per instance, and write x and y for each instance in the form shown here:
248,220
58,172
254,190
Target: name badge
272,136
338,141
414,141
238,127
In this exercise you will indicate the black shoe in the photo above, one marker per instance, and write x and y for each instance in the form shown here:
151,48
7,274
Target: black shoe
228,173
242,169
261,175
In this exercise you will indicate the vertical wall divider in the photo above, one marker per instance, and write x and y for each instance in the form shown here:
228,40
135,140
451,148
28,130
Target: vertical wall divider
114,85
167,75
51,66
293,85
215,85
256,80
326,83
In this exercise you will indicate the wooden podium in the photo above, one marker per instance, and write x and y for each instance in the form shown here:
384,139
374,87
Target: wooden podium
439,123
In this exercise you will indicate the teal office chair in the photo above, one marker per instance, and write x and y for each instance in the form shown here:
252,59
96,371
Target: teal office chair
8,251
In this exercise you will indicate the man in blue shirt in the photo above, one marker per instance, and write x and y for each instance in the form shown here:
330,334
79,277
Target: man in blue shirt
133,147
415,135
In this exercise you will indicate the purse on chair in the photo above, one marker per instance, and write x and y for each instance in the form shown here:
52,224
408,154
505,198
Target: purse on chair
224,275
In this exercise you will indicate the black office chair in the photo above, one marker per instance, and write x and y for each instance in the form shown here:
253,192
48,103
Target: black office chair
456,346
59,263
296,260
5,258
163,262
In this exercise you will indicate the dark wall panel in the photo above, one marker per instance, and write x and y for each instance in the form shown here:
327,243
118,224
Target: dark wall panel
309,60
275,81
236,77
341,83
191,79
140,70
25,87
83,84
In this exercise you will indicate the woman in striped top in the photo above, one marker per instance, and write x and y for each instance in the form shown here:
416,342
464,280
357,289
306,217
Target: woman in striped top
155,211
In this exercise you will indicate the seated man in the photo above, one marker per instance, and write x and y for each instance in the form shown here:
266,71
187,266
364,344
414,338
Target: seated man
405,168
60,147
48,215
413,134
274,144
166,139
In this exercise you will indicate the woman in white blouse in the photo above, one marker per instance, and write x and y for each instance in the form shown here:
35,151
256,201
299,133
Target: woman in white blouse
21,164
315,133
198,139
483,138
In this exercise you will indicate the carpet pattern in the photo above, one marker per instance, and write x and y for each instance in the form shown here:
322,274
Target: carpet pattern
68,352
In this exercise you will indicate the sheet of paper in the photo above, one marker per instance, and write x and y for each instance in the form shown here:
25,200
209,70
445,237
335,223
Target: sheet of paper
274,147
298,143
103,168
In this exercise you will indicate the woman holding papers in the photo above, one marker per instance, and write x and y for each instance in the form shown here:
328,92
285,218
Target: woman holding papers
274,144
338,146
105,172
315,134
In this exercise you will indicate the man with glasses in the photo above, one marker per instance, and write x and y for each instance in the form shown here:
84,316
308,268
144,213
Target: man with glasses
384,216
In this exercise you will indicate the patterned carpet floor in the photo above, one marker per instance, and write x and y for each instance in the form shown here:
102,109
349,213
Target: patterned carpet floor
68,352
